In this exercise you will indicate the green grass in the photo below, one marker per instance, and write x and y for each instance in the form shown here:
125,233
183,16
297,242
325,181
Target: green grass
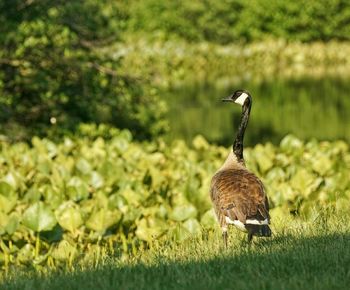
300,255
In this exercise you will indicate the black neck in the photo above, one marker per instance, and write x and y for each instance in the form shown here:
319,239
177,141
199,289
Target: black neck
238,143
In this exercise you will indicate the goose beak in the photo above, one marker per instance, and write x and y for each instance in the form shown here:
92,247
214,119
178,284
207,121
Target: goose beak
227,99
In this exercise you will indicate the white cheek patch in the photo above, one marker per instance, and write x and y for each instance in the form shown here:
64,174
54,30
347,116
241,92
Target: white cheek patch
241,99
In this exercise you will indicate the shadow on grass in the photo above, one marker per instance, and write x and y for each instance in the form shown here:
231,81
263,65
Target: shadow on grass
284,262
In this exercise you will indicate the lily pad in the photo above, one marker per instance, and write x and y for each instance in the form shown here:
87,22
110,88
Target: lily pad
302,180
7,203
77,189
193,226
69,216
183,212
83,166
209,219
322,164
38,217
148,232
6,188
101,220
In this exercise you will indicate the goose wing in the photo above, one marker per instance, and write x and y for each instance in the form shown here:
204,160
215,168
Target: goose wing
239,195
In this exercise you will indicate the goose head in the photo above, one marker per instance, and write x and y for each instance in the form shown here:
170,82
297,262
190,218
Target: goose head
239,97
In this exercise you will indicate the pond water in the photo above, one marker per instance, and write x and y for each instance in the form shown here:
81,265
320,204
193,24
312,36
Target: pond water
306,108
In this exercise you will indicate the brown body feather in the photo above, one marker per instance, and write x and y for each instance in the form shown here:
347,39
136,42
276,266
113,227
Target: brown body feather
238,194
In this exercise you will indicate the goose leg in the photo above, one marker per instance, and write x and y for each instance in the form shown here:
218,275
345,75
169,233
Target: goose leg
224,237
250,237
224,228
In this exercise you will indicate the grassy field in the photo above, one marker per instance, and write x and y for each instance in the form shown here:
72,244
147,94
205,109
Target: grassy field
300,255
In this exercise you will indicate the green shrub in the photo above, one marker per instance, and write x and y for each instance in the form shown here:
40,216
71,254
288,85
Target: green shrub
53,70
235,20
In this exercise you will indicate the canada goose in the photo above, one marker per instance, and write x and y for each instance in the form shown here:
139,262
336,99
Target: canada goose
239,196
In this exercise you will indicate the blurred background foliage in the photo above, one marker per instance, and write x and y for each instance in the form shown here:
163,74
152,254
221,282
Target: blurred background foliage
68,62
